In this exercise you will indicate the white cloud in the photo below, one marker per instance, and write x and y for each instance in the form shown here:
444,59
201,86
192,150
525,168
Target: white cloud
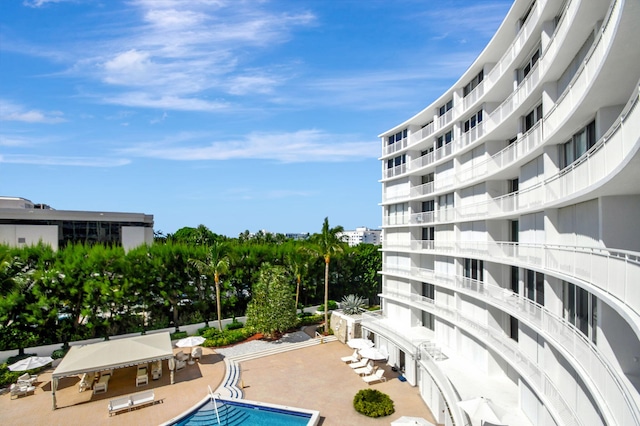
148,100
40,3
13,112
295,147
43,160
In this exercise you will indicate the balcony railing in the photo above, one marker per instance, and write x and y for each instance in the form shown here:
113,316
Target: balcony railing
587,73
614,394
421,134
502,344
505,63
473,96
395,147
594,166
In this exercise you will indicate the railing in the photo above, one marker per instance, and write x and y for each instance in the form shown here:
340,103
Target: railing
471,136
421,190
505,62
524,145
503,345
574,92
395,147
473,96
425,132
395,171
594,166
449,395
445,119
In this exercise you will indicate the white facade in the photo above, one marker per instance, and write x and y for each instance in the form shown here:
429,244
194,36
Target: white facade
511,256
23,223
361,235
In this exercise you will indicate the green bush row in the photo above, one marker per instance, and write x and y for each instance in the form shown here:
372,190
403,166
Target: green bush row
333,305
373,403
310,320
216,338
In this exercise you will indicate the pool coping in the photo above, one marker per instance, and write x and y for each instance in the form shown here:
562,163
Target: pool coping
313,420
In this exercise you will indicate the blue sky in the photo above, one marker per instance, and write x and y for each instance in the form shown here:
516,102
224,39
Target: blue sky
239,115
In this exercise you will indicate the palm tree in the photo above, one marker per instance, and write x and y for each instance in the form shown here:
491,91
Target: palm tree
216,263
297,264
326,244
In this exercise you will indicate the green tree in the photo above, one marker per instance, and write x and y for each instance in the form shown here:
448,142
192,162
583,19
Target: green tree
271,310
216,263
326,244
298,264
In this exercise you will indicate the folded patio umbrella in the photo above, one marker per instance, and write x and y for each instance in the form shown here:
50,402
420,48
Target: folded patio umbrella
30,363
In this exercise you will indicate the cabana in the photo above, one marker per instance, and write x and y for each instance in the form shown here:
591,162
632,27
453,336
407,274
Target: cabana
112,354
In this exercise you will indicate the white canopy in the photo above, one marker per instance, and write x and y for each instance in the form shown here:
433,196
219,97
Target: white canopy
114,354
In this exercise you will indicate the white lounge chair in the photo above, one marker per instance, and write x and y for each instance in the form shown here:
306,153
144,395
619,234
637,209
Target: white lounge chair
354,357
378,376
19,390
142,378
27,379
362,363
366,370
142,398
119,404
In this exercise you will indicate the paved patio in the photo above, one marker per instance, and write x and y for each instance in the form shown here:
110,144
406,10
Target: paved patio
312,378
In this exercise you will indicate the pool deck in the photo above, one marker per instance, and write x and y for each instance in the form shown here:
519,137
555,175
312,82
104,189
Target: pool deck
313,378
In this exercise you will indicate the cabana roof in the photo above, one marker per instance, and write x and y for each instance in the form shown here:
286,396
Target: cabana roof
114,354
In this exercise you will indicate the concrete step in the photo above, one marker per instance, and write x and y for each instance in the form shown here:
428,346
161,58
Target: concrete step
284,348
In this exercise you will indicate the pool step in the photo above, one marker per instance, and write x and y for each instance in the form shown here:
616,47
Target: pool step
229,387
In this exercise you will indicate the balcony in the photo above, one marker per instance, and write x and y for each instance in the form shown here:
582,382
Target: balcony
394,147
614,393
501,344
573,95
422,134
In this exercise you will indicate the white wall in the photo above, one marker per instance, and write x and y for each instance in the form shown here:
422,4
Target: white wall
134,236
620,228
32,234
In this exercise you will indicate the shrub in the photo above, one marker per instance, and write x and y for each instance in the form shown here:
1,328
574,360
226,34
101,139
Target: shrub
227,337
352,304
234,325
202,330
7,377
178,335
332,306
310,320
59,353
373,403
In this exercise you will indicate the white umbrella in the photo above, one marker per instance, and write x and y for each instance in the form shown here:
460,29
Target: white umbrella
30,363
409,421
375,354
359,343
190,341
483,409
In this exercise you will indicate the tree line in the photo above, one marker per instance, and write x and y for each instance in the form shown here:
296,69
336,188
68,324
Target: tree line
85,291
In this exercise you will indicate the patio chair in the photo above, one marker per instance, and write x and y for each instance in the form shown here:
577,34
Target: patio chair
142,378
378,376
27,379
362,363
180,364
86,382
156,370
181,356
19,390
354,357
366,370
196,353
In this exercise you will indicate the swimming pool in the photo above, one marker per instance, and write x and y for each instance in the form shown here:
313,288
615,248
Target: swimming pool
243,412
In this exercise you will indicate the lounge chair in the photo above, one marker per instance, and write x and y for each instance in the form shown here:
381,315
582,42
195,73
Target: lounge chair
156,370
354,357
19,390
27,379
196,353
142,378
362,363
142,398
119,404
366,370
378,376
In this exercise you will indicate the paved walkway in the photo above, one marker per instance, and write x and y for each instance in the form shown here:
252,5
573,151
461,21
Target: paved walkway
312,378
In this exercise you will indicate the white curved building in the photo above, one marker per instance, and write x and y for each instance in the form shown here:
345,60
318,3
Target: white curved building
511,210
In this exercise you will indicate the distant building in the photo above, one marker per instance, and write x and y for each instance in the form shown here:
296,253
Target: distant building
301,236
24,223
362,235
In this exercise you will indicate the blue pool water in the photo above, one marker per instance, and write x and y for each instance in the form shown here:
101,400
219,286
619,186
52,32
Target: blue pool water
236,413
